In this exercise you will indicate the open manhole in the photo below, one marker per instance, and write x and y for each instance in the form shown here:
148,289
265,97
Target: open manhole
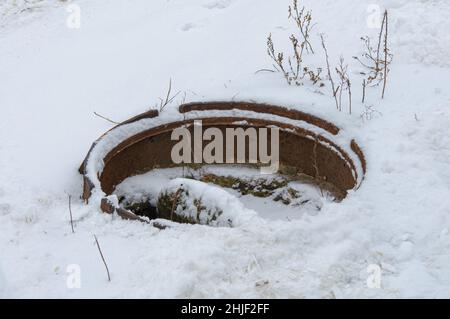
311,151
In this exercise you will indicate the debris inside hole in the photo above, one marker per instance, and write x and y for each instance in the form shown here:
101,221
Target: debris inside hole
273,197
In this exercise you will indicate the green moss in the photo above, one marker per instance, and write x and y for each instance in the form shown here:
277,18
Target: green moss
168,201
260,187
223,181
181,212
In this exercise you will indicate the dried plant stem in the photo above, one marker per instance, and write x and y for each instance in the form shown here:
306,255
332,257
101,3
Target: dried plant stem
364,91
103,258
303,20
175,200
380,35
333,87
315,165
344,84
385,19
105,118
70,212
372,59
169,98
349,85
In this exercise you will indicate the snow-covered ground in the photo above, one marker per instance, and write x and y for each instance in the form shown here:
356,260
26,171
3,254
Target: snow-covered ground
53,77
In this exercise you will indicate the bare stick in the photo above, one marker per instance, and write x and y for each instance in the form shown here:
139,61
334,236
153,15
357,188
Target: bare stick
349,85
385,52
264,70
70,212
105,118
177,194
278,58
364,91
168,98
344,83
316,167
329,72
303,20
377,60
103,258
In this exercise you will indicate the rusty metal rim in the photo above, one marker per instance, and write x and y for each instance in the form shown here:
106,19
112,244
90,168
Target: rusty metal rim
262,108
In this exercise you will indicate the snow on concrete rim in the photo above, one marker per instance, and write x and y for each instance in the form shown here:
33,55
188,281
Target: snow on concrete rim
95,164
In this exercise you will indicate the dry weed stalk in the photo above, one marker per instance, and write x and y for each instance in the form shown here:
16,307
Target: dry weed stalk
303,19
175,201
376,60
70,212
330,77
105,118
168,99
103,258
344,84
292,67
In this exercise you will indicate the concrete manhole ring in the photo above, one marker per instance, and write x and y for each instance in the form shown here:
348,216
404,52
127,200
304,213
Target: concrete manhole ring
307,145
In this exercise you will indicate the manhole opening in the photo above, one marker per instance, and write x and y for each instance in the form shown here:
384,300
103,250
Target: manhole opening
310,149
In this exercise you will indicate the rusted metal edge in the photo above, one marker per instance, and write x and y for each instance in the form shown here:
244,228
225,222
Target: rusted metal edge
261,108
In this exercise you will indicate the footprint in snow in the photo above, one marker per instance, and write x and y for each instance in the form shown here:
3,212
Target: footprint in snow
188,26
217,4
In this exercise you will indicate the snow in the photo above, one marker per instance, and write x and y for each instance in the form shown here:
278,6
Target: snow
119,62
233,212
149,185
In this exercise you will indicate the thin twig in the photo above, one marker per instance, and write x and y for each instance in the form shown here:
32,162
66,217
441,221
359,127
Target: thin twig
168,99
385,52
177,195
70,212
344,84
303,20
349,85
364,91
333,88
264,70
377,60
103,258
315,165
105,118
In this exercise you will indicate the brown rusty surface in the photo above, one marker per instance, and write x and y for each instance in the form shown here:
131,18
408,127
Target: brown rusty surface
88,186
126,214
106,206
261,108
146,115
355,147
